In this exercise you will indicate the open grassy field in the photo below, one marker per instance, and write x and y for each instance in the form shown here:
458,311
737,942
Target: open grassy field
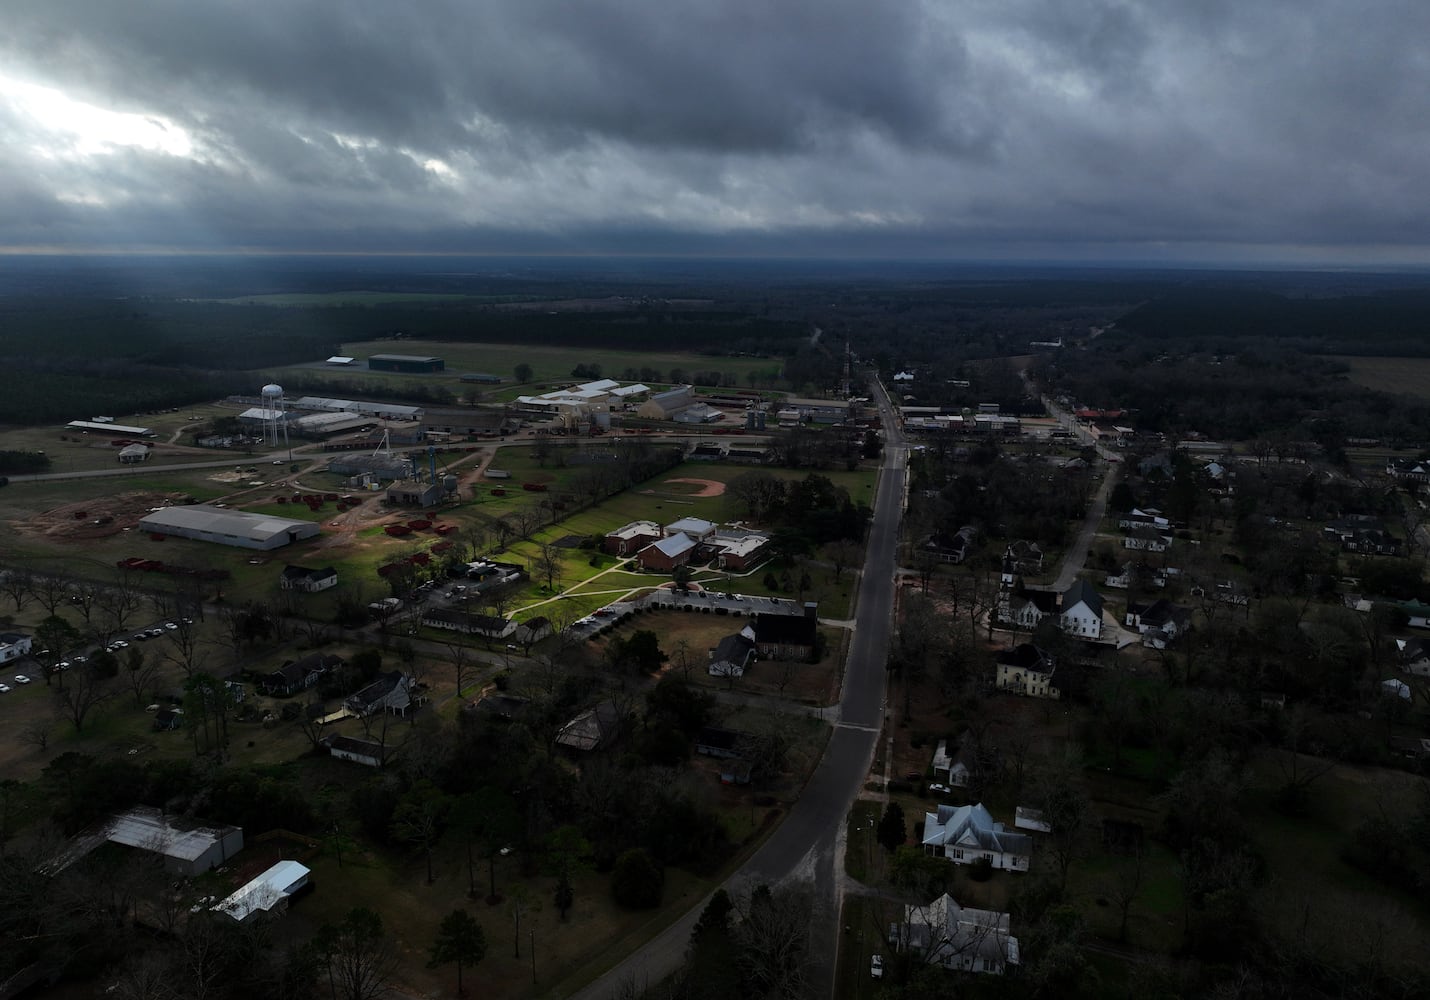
355,298
71,451
1403,376
548,363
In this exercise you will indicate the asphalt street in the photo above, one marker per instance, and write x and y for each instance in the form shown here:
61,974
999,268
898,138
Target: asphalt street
804,848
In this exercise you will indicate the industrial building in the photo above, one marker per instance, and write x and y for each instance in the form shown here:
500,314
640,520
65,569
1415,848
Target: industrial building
387,411
411,363
665,405
108,427
328,424
228,527
416,494
468,423
379,466
189,847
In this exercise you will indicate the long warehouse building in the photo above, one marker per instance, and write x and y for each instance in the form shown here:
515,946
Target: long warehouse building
228,527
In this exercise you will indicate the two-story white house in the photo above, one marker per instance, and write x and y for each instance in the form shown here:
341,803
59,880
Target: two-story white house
964,834
957,937
1081,613
1026,669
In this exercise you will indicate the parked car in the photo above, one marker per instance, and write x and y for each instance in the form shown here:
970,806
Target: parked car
21,679
171,626
4,688
938,788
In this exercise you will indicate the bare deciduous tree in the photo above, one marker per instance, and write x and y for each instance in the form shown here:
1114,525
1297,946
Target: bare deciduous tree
16,583
86,692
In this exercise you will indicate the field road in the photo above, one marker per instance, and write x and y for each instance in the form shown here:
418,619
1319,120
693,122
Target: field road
803,849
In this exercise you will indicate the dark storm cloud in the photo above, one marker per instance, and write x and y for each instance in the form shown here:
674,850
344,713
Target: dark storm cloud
949,126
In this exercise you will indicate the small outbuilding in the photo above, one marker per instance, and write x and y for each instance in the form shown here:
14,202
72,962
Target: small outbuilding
268,892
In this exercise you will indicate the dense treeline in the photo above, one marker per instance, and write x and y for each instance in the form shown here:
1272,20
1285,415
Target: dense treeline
21,462
1261,388
1388,323
38,393
227,336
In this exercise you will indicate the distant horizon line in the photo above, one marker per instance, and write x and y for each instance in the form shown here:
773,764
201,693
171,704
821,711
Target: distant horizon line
1084,263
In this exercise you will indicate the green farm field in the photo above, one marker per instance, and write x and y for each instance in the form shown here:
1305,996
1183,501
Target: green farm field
1401,376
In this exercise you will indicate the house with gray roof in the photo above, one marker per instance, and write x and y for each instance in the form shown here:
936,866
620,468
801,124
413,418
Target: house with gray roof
964,834
957,937
14,645
733,654
389,693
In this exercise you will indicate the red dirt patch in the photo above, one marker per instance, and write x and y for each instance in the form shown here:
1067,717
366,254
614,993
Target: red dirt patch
103,516
708,487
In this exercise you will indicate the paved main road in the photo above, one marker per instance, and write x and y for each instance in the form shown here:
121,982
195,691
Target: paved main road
803,849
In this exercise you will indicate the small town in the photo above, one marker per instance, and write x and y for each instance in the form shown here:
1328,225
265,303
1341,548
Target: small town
602,651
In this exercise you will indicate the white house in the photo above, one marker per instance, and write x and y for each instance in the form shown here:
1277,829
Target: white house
1145,538
369,753
1414,655
1151,576
957,937
1081,611
1159,623
392,692
964,834
1026,669
733,655
309,581
14,645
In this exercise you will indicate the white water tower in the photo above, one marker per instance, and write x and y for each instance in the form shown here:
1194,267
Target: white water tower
275,422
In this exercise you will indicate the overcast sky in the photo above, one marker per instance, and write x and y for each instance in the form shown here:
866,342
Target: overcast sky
1252,130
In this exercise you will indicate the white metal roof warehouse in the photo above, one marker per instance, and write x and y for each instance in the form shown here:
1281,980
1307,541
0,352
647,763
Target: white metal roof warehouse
123,430
228,527
265,892
327,404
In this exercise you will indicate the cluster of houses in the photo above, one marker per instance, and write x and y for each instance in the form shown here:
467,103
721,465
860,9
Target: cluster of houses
688,541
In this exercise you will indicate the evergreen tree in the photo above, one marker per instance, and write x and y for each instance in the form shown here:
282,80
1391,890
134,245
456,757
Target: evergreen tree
459,939
892,832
